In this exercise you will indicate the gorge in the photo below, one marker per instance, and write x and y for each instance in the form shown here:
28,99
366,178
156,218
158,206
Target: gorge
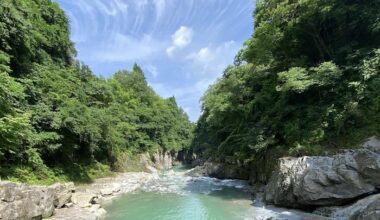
290,130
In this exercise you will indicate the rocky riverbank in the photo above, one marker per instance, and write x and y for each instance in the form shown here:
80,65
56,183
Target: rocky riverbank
66,201
341,186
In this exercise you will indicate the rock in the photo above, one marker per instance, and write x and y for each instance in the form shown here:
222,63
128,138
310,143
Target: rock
325,180
100,213
97,210
150,169
109,191
219,170
63,193
364,209
98,200
69,205
106,192
157,161
372,144
162,160
20,201
83,199
74,213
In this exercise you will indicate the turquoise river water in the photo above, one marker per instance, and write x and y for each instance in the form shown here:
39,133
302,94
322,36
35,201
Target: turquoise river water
177,197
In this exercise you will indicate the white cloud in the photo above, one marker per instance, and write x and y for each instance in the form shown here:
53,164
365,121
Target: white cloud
213,60
180,39
160,8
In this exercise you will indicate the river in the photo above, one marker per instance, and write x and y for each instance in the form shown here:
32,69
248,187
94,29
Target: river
173,196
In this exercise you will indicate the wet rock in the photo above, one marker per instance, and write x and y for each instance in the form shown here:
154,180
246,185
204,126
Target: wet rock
325,180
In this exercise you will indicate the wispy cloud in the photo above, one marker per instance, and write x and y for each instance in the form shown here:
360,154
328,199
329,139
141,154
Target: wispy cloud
182,45
123,47
180,39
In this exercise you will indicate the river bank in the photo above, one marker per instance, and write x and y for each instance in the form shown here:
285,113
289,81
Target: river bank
344,185
341,186
88,202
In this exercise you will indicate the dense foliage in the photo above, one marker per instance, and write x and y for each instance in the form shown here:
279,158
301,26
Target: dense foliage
54,112
307,81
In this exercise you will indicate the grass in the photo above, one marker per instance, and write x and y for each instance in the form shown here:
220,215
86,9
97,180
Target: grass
48,175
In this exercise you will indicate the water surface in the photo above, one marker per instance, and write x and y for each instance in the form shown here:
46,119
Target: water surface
176,197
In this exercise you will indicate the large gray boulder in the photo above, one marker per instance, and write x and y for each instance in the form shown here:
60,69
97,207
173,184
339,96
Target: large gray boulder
63,193
20,201
326,180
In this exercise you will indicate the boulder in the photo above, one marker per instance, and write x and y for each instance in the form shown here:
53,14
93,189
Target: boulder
364,209
63,193
83,199
219,170
325,180
20,201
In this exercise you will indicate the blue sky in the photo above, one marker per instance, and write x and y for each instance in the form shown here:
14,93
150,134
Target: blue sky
183,46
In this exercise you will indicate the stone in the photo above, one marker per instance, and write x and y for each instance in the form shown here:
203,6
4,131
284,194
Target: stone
109,191
325,180
63,193
69,205
219,170
83,199
106,192
364,209
98,200
20,201
74,213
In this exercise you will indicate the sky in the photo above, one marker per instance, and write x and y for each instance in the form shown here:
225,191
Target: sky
183,46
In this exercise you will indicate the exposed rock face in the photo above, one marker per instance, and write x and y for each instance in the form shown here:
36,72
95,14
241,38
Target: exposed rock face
63,193
156,161
326,180
20,201
219,170
162,160
364,209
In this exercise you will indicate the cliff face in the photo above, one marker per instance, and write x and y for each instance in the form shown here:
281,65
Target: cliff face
159,160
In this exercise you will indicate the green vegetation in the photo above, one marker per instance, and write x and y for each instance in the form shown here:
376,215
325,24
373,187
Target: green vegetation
306,82
58,121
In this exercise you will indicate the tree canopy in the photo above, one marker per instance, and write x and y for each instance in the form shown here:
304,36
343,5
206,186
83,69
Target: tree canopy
307,79
55,111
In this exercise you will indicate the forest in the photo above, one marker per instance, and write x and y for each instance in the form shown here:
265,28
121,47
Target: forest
58,120
306,83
